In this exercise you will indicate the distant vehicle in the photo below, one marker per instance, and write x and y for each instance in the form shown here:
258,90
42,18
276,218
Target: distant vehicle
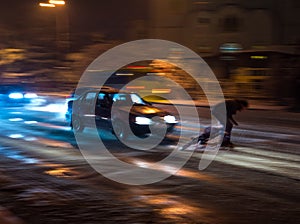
108,108
15,95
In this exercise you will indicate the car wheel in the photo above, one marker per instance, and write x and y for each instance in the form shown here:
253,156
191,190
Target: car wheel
77,124
120,130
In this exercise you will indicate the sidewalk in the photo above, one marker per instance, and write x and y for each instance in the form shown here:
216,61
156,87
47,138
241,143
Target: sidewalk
253,104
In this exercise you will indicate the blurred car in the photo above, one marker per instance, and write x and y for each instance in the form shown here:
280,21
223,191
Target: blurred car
15,95
112,109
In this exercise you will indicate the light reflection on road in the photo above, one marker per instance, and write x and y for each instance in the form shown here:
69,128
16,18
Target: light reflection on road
173,207
59,170
16,155
195,174
54,143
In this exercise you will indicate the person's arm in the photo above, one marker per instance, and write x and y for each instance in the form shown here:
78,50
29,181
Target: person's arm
231,107
230,118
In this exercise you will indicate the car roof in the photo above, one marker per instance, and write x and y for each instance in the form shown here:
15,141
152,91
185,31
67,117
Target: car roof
104,88
108,89
82,89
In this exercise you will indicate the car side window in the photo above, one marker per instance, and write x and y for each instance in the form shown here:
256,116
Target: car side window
104,100
89,98
122,99
136,99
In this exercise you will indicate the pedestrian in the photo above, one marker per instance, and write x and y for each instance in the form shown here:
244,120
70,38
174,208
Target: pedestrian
232,106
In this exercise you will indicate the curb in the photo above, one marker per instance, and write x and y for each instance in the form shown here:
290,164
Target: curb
204,105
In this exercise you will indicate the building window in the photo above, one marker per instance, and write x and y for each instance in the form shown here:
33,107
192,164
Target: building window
230,24
202,20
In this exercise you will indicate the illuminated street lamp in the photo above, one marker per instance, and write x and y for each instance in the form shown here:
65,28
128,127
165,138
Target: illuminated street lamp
46,5
62,23
52,3
56,2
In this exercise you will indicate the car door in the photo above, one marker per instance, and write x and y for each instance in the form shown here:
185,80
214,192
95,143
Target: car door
103,110
86,109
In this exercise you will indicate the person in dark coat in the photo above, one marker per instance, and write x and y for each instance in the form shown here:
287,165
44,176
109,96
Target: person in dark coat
232,107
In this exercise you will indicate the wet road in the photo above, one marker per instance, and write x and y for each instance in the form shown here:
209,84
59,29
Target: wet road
44,177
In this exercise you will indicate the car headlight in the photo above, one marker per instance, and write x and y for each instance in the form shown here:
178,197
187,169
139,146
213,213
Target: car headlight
15,96
30,95
143,121
170,119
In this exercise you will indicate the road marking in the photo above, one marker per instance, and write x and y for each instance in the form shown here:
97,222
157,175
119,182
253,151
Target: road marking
267,153
277,163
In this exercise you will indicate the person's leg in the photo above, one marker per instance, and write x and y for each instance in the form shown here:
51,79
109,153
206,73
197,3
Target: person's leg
227,135
202,139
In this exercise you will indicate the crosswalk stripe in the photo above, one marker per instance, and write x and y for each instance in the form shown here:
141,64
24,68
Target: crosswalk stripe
267,153
276,163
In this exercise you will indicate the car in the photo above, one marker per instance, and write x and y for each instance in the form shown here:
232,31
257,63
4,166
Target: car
109,108
15,95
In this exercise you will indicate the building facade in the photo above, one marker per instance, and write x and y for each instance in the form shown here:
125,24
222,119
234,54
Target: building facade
252,37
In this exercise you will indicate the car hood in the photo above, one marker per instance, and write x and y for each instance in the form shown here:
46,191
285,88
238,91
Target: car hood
145,110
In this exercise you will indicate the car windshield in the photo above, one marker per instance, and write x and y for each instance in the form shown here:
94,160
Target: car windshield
127,99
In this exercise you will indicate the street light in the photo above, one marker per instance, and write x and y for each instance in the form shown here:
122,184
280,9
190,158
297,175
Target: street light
52,3
56,2
62,23
46,5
